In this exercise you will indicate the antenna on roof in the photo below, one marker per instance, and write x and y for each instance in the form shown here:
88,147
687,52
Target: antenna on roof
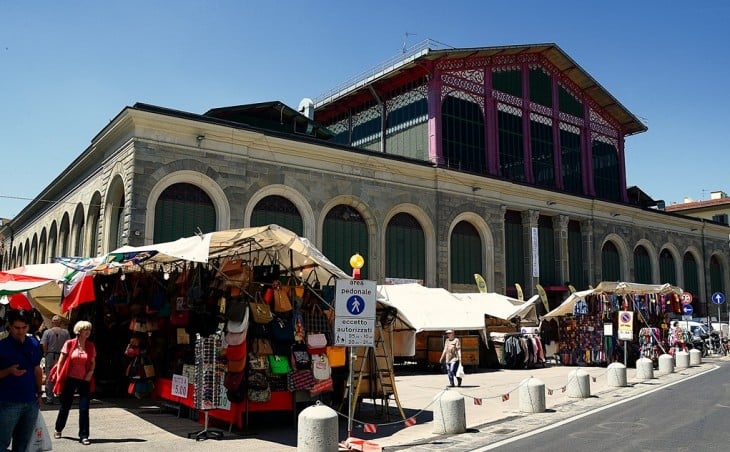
405,38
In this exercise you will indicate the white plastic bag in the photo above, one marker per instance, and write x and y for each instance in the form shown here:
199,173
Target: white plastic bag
41,440
460,371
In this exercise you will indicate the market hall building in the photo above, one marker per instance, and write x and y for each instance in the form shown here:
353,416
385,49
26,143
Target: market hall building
505,161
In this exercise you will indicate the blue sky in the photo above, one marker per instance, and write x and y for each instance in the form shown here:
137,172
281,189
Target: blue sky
68,67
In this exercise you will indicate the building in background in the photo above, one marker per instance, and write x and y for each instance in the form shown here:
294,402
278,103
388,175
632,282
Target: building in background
505,161
716,209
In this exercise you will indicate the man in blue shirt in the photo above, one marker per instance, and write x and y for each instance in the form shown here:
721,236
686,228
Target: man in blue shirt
20,382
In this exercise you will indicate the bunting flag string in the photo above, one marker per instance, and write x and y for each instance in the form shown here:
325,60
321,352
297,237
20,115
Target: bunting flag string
369,428
505,397
410,422
477,401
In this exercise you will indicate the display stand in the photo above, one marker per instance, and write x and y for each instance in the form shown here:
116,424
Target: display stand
207,388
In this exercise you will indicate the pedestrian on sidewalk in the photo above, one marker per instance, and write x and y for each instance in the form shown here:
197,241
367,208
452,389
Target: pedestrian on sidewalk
452,356
20,382
76,374
52,340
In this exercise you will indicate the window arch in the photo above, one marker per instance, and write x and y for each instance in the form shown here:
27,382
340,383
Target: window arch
691,275
610,262
717,283
77,231
64,233
53,241
642,265
667,268
114,214
463,135
92,225
275,209
42,248
345,233
182,210
405,248
466,253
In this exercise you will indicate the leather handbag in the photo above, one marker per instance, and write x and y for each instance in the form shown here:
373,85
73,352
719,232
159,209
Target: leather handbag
266,273
282,303
282,330
257,362
337,355
260,311
300,380
261,346
316,341
279,365
236,365
233,380
236,352
321,386
321,367
235,338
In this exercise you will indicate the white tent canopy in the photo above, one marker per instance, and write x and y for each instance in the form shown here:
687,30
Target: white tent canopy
611,287
274,241
500,306
428,309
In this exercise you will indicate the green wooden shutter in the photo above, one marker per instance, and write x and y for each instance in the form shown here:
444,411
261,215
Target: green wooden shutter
667,269
716,276
181,211
642,266
611,263
546,248
276,209
691,277
405,247
606,171
466,253
514,249
345,233
575,255
462,133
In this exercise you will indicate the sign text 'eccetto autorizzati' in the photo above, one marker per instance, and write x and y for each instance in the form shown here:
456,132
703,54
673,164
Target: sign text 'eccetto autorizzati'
354,324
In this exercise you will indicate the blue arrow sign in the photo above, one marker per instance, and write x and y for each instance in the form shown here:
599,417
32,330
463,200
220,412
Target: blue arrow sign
718,298
687,309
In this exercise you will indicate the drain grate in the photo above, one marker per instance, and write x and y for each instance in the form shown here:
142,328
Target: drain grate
504,431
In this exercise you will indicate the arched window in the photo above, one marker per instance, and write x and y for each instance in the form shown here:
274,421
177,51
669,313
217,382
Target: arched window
571,159
345,233
511,146
466,253
182,210
667,268
642,265
610,262
276,209
463,135
405,248
716,276
691,276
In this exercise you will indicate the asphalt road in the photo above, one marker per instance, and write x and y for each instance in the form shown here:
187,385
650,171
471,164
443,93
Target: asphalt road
691,415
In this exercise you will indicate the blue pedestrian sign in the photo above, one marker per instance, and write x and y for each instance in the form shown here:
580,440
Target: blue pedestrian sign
355,305
687,309
718,298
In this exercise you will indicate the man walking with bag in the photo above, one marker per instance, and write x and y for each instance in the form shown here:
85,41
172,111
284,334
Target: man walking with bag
52,341
20,383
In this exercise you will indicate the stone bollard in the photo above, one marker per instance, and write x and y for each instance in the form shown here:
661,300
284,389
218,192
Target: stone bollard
579,384
681,360
532,395
644,369
617,375
666,364
695,357
317,429
449,414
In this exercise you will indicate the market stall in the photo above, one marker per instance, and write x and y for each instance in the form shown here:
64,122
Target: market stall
264,293
584,327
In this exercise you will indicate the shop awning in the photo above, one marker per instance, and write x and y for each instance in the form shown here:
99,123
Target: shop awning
500,306
611,287
251,244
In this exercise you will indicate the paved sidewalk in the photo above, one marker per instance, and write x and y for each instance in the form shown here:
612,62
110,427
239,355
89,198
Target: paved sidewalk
120,424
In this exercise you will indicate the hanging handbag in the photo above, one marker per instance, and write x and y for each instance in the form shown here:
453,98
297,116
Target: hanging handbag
316,341
236,365
282,303
300,380
260,311
282,330
236,352
266,273
235,338
321,367
321,386
337,355
300,357
259,395
279,365
328,290
315,320
257,362
236,311
261,346
233,380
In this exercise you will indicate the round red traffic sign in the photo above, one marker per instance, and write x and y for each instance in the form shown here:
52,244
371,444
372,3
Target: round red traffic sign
686,298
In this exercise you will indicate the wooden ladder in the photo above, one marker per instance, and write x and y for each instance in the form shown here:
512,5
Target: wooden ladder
381,366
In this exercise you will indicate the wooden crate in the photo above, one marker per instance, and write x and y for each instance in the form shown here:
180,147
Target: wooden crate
469,350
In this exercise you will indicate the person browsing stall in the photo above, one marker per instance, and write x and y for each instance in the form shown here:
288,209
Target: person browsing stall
20,383
75,374
451,356
52,340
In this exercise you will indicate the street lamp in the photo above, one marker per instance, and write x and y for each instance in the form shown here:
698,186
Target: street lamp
356,262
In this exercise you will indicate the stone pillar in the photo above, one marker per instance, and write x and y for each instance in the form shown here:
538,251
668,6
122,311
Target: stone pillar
695,357
532,395
644,369
617,375
317,429
666,364
579,384
681,360
449,414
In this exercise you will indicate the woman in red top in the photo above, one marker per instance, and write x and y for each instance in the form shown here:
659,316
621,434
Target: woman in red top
75,373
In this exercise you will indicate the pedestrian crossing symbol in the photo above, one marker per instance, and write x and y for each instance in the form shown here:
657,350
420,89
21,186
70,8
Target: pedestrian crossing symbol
355,305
